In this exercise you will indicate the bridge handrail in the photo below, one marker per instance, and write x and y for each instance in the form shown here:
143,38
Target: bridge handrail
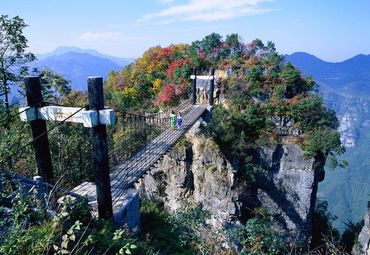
29,182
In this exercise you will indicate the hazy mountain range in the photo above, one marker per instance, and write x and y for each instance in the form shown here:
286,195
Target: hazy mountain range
62,50
77,64
345,87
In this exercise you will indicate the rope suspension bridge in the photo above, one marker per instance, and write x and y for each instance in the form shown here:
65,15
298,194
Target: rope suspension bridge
148,138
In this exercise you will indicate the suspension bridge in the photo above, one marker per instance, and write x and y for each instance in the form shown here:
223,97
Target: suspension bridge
111,194
124,175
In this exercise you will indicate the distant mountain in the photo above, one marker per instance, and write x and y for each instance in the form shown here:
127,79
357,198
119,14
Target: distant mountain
77,66
62,50
345,87
349,77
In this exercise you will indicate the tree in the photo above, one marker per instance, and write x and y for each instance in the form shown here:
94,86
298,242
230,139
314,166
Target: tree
209,48
54,86
13,55
235,46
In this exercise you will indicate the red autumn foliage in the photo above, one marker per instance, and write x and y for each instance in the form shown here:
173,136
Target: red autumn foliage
167,94
180,89
175,64
201,55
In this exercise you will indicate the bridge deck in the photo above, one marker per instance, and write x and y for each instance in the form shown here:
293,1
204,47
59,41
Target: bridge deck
125,175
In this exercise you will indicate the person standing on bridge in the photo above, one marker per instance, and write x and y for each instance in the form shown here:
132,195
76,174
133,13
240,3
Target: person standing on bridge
173,120
179,120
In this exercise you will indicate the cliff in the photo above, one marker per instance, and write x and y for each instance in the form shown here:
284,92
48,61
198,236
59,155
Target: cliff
363,242
195,171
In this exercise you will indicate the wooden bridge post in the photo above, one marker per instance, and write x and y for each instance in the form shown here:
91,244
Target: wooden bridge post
194,86
41,144
100,151
212,87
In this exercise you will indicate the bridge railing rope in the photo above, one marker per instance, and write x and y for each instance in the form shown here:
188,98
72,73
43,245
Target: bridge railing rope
27,185
128,172
139,129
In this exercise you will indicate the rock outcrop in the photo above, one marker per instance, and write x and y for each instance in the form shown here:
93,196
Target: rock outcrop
288,188
196,171
363,242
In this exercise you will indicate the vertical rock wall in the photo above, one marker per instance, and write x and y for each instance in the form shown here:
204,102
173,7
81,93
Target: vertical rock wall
195,171
289,188
363,245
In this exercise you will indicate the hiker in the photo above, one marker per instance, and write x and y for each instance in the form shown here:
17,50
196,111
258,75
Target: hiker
179,120
173,119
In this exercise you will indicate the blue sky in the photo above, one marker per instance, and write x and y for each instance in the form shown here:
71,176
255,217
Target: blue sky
333,30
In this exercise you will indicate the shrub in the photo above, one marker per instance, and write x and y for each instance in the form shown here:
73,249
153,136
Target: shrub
30,229
172,234
258,235
321,142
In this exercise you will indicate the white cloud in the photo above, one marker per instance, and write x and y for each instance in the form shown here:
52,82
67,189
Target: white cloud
100,36
208,10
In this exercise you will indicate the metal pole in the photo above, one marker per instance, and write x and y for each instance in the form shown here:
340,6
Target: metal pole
100,151
212,87
194,86
41,144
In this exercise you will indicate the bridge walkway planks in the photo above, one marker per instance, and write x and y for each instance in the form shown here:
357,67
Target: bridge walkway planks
126,174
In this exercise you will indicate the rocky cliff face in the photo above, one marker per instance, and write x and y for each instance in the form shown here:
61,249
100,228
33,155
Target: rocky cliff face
289,188
363,245
353,113
196,171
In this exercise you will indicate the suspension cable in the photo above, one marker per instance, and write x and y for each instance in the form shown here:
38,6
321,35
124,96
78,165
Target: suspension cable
38,137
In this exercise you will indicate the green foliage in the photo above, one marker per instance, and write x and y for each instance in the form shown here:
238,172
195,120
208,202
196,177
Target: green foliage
236,132
321,225
36,240
182,143
266,89
188,220
13,55
172,234
13,134
69,144
259,237
29,229
311,113
77,209
22,226
321,142
54,86
235,47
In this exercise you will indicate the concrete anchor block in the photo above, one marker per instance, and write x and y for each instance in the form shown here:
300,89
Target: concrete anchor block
126,211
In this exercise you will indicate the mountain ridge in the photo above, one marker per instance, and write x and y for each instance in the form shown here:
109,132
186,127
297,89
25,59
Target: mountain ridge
77,65
65,49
